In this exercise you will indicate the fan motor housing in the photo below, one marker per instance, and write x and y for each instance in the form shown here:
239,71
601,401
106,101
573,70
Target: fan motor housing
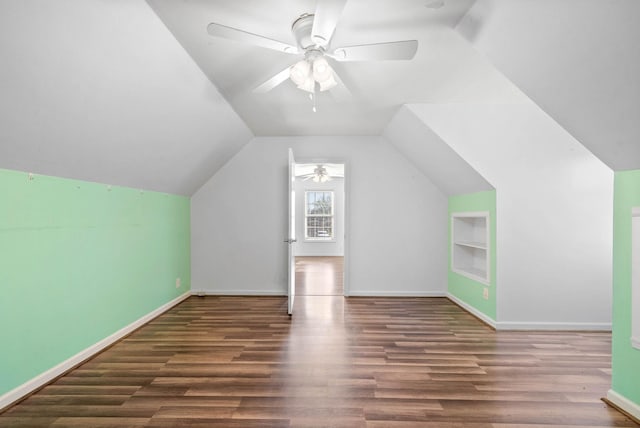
301,29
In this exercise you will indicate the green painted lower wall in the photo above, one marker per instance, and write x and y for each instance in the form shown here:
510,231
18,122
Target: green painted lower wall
625,377
79,261
466,289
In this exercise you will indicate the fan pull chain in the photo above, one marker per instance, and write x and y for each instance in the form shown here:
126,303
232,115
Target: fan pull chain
312,97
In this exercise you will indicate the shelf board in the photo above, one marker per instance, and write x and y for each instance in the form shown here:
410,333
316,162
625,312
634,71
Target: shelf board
480,245
472,273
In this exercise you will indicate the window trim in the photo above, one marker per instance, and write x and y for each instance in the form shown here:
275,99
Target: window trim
332,238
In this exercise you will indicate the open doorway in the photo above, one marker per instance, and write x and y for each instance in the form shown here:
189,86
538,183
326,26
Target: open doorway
320,275
320,227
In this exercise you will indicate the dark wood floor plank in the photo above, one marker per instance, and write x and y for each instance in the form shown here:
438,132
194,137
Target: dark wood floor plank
232,361
99,422
218,423
31,422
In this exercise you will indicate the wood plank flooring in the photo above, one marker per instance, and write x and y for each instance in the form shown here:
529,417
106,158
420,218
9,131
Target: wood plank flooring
338,362
319,276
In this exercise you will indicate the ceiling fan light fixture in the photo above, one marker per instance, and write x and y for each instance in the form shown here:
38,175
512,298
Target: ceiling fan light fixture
308,85
313,33
322,70
328,83
300,72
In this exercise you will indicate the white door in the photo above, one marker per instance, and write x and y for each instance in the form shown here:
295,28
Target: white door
292,232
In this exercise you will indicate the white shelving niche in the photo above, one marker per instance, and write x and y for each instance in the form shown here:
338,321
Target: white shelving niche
470,255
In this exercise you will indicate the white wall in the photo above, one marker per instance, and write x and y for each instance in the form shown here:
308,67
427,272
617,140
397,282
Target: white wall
334,247
554,212
397,237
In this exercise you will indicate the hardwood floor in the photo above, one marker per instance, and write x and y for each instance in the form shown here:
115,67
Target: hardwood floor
319,276
351,362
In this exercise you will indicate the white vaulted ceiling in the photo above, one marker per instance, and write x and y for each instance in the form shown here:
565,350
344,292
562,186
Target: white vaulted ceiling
101,91
136,93
445,68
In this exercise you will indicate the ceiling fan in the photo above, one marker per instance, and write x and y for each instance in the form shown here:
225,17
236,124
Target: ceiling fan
312,33
319,175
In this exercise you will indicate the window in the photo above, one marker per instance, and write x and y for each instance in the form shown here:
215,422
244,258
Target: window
318,223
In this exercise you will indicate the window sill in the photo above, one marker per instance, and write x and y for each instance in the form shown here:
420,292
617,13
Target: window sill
320,241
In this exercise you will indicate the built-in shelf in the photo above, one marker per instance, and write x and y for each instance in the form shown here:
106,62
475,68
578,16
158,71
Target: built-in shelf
470,245
480,245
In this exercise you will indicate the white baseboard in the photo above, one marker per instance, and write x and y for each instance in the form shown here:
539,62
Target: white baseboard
397,294
624,403
561,326
237,293
43,378
488,320
283,293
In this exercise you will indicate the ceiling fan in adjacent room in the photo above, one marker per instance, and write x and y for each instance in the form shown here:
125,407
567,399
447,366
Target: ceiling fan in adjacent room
319,175
312,33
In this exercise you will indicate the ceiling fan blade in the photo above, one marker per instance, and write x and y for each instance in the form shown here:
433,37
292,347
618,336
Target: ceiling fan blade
222,31
434,4
402,50
273,82
325,20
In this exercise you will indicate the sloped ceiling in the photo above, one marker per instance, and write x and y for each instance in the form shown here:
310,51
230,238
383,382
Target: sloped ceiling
579,60
445,68
101,91
432,155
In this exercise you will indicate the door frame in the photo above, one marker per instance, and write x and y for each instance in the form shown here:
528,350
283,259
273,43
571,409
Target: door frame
347,213
291,232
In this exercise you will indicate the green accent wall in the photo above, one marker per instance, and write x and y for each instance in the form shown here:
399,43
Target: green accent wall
462,287
78,262
625,377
